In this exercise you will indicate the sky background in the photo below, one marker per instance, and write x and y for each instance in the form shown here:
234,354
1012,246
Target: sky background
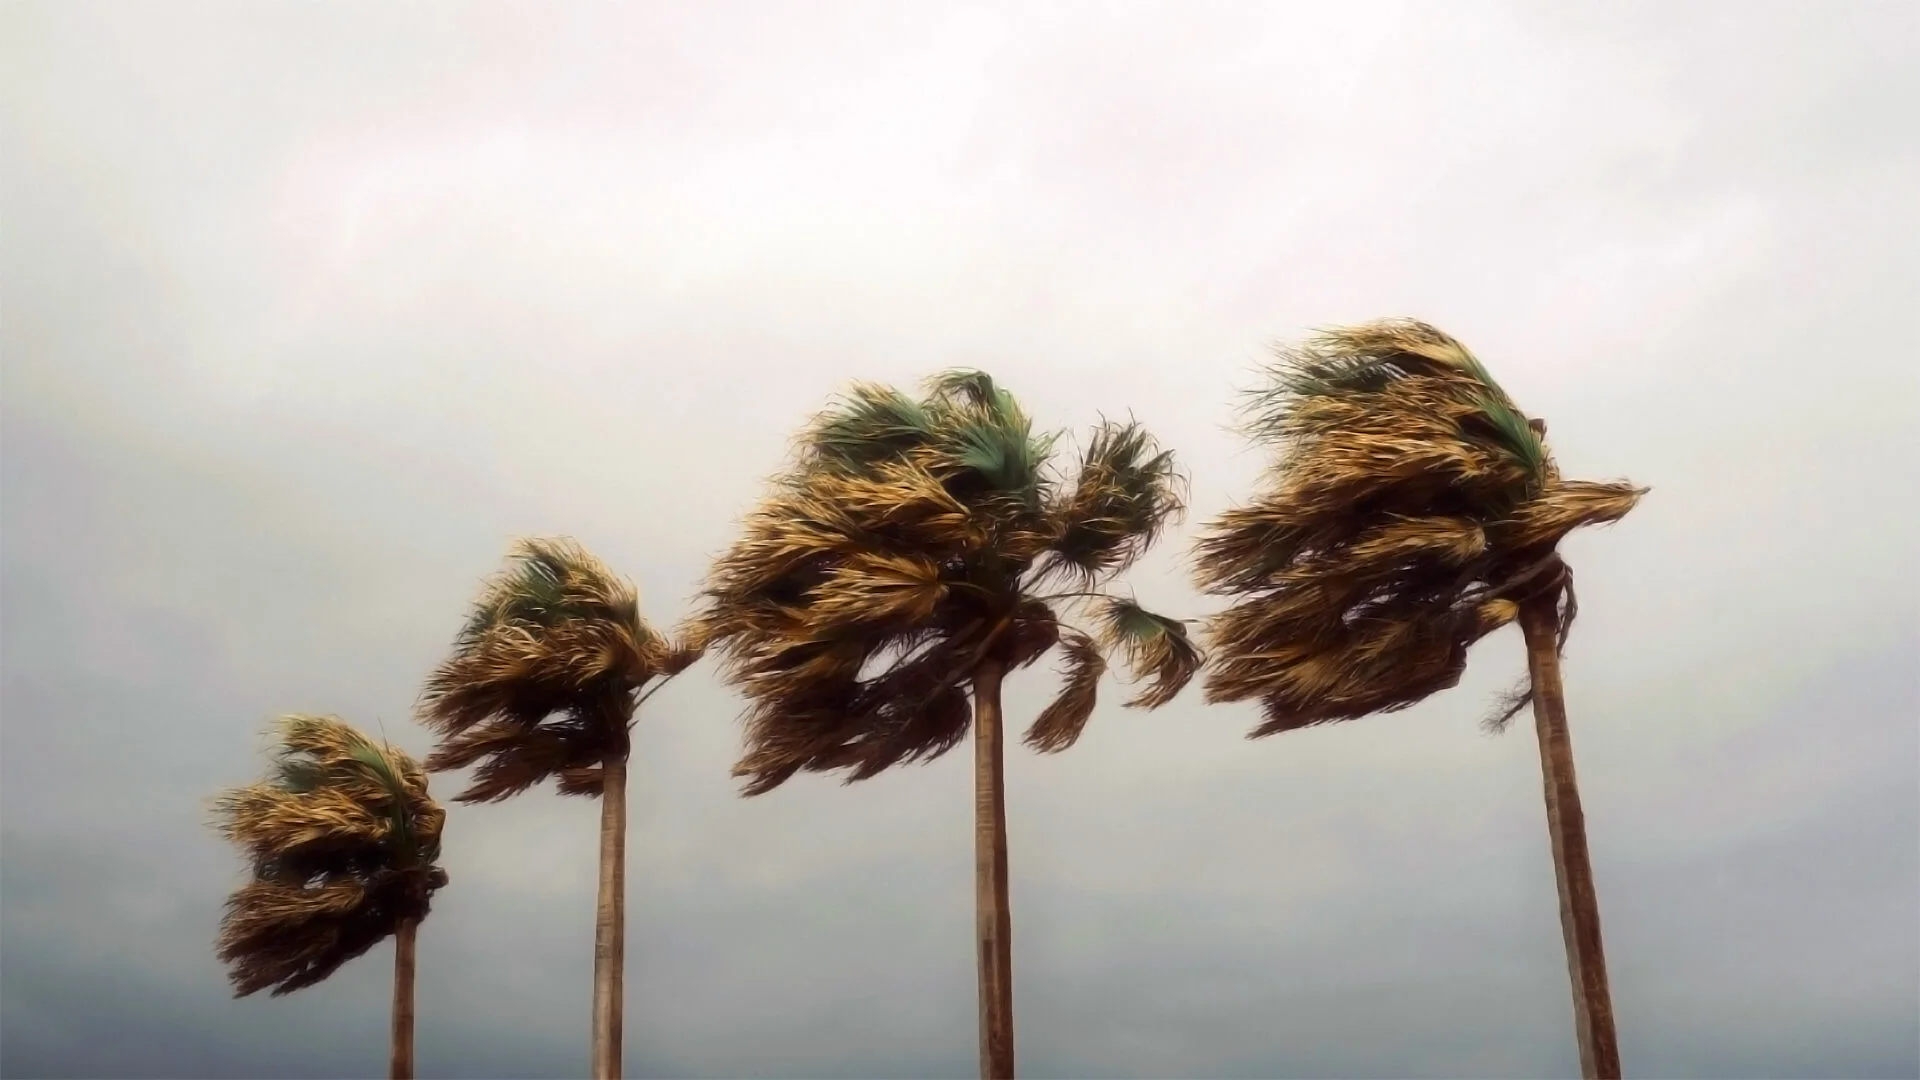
308,309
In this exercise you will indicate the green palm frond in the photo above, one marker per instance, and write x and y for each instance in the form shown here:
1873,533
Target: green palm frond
874,424
989,435
970,388
1008,457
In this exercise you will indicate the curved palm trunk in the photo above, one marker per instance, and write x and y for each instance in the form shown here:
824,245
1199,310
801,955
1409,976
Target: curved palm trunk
401,1066
992,913
1567,827
610,921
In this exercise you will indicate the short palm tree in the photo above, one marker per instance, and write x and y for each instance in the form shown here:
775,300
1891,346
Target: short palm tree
1412,510
904,559
543,682
343,839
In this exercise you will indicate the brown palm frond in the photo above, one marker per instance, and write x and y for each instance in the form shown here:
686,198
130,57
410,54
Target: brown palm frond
512,758
899,551
266,818
585,781
342,839
686,648
873,588
1035,630
288,938
1564,506
783,738
915,712
543,677
1410,505
1380,666
902,501
1062,721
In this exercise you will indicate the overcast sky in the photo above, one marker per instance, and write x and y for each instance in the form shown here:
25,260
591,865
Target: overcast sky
310,308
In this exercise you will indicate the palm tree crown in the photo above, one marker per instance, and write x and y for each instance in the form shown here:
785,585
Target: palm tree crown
542,679
343,839
911,540
1411,507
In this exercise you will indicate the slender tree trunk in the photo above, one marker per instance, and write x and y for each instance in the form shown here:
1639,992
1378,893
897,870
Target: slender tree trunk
1567,827
401,1067
992,913
610,922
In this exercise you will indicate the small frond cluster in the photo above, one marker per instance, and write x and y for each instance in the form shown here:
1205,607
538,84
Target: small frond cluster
542,679
906,545
1412,505
343,840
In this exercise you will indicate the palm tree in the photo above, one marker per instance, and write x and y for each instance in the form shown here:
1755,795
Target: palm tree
1411,510
903,559
343,840
544,681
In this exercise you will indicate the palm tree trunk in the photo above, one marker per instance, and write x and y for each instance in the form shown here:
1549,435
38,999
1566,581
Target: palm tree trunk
610,922
993,916
401,1067
1567,827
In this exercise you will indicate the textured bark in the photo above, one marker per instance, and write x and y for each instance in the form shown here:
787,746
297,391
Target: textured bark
610,922
401,1067
993,915
1567,827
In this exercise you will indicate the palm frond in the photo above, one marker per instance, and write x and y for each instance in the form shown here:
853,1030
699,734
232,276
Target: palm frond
873,588
1062,721
988,436
512,759
1034,631
968,387
1563,507
686,648
1362,361
1125,492
873,425
1156,648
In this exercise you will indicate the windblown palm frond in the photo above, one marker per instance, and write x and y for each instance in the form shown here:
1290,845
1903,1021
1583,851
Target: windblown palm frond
343,840
907,543
542,679
1410,506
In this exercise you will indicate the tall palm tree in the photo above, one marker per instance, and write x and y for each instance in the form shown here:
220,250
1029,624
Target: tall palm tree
543,681
1411,510
343,839
904,558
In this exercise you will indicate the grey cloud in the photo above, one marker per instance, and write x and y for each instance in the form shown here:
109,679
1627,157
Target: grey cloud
307,309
